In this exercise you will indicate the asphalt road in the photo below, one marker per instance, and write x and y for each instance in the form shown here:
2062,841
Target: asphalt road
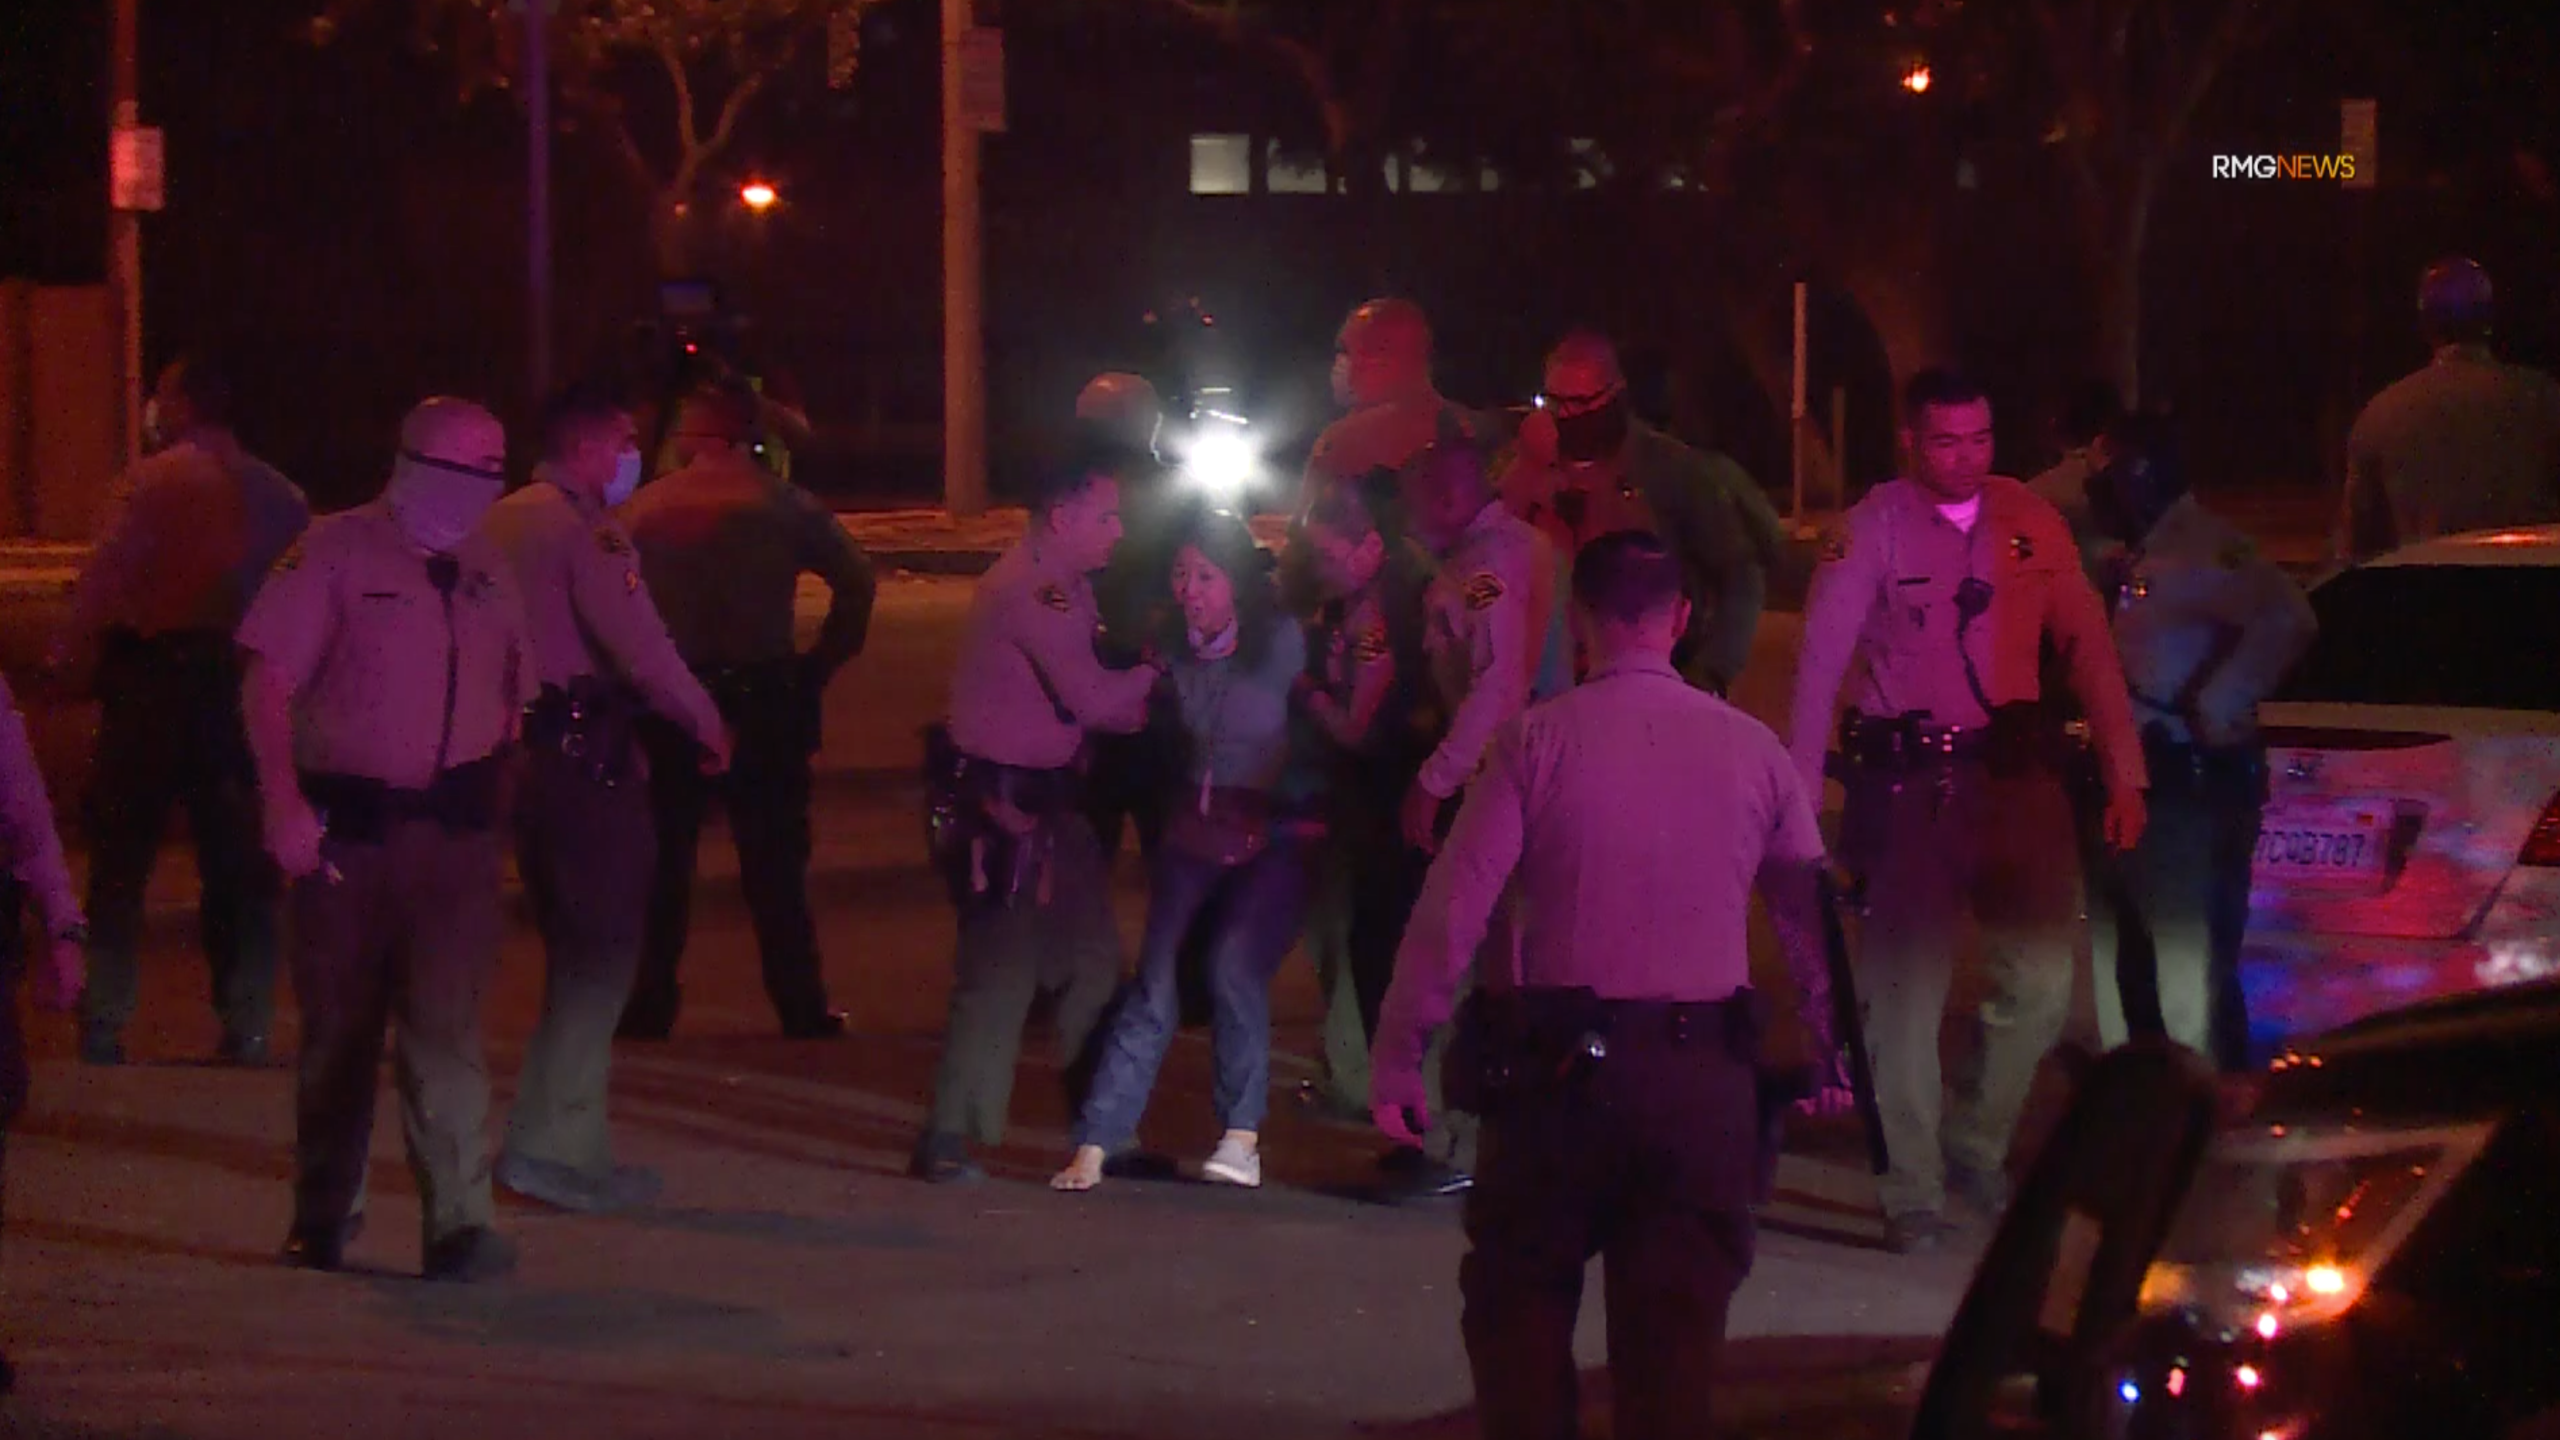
792,1282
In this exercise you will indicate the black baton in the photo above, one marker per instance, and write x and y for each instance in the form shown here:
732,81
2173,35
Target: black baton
1846,1028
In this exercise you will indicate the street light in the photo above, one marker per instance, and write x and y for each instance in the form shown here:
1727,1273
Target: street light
758,196
1916,79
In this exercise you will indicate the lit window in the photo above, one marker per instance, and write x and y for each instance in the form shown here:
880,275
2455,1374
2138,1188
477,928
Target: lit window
1590,166
1421,177
1221,165
1285,174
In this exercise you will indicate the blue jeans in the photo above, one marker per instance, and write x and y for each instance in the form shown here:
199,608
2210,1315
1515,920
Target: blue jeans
1256,908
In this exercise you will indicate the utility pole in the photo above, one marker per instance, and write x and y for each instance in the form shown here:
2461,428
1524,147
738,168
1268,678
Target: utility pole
124,221
964,352
537,113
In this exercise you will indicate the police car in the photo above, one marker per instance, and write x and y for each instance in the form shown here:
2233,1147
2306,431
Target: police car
2412,838
2361,1244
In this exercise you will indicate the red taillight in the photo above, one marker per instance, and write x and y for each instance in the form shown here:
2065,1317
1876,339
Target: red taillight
2542,847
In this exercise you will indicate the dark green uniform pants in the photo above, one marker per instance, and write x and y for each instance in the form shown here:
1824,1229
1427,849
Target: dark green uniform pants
1007,956
1927,845
773,711
169,733
2164,940
402,933
584,848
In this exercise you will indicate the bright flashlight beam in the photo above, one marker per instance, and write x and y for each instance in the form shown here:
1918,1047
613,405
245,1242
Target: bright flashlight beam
758,196
1916,79
1222,462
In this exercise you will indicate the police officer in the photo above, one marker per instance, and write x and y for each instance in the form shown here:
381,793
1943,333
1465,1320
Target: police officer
387,662
1610,471
31,851
199,523
1131,774
1017,855
2207,628
1948,582
1486,615
1382,380
723,544
2468,443
2081,427
1616,1055
584,842
1365,697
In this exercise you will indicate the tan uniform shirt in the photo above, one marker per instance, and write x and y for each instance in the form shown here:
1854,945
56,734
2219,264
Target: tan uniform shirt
2066,488
2206,624
587,609
1028,684
391,678
189,535
1486,623
2468,443
33,844
1631,818
1886,590
723,544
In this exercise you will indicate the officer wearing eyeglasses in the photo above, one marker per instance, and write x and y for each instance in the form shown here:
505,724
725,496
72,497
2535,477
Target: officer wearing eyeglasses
388,662
1589,467
1948,583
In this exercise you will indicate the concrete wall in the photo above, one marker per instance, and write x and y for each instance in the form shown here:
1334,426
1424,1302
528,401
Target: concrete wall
58,436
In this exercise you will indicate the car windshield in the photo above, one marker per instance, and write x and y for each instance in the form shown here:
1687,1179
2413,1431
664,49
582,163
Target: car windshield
2290,1221
2457,636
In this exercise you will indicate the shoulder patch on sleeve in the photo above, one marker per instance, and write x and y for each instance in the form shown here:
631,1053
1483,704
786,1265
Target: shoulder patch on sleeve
1835,544
1370,645
1482,589
291,559
1053,596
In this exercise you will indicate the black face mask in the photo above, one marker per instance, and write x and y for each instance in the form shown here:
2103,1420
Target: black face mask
1593,435
2129,496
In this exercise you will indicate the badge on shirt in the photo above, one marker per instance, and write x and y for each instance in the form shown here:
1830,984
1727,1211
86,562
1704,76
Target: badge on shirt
1371,645
478,585
1835,546
1055,597
613,543
291,559
631,581
1482,589
2022,547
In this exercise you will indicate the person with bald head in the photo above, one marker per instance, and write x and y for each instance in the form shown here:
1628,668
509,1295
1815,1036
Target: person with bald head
2467,443
387,661
1382,380
1589,467
723,543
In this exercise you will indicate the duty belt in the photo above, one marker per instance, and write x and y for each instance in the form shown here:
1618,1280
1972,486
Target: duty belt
588,722
361,810
2018,736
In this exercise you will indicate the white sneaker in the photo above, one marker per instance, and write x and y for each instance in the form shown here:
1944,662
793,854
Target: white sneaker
1233,1163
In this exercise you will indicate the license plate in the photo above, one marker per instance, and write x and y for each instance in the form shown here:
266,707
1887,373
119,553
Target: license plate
2323,843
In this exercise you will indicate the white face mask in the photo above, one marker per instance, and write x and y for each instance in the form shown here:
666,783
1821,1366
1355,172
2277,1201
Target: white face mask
437,502
154,437
626,478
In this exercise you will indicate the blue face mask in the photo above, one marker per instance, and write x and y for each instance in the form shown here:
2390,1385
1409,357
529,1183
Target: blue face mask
626,478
